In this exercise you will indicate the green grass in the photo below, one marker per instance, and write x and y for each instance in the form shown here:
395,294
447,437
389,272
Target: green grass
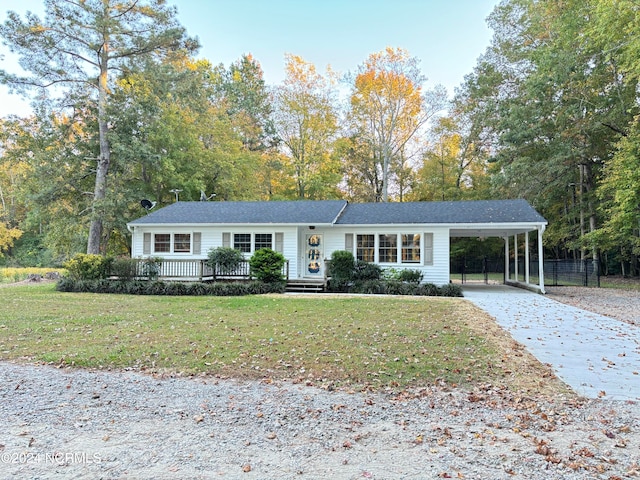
361,342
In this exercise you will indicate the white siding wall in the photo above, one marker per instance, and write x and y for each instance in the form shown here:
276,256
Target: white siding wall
211,237
437,273
293,244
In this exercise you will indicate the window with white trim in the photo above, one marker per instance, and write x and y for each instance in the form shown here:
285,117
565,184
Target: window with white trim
388,248
242,242
263,240
410,248
393,247
366,248
182,243
171,243
250,242
162,243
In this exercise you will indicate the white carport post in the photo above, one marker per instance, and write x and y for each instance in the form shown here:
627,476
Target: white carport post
540,259
526,258
506,259
515,258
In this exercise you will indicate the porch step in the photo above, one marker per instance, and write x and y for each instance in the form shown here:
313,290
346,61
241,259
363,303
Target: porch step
305,286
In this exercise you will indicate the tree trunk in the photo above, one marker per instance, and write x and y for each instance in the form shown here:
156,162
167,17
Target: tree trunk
385,173
104,159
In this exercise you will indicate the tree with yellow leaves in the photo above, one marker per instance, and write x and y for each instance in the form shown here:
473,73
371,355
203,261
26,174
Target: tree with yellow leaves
389,106
306,121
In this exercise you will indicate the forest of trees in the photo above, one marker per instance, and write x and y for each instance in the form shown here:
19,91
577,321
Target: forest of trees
123,110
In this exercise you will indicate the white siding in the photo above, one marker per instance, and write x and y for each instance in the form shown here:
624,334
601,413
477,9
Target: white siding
211,237
293,244
437,273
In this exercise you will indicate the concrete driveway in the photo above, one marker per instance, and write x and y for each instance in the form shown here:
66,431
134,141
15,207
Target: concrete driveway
596,355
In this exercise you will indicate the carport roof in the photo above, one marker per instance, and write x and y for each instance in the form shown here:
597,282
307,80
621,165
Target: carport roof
476,211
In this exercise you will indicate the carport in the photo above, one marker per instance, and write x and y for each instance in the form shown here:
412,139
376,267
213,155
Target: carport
511,222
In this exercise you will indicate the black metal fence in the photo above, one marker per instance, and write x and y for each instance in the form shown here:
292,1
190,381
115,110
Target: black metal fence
477,270
571,272
556,272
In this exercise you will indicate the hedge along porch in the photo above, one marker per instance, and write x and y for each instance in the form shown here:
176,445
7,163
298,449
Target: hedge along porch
413,235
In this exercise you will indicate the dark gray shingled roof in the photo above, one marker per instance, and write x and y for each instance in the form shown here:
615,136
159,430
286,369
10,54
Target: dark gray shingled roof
327,211
291,212
477,211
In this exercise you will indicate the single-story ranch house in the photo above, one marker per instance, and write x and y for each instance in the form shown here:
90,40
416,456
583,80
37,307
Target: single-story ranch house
411,235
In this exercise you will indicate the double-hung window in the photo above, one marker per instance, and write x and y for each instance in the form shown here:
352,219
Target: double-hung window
182,243
416,248
366,248
242,242
263,240
250,242
388,248
162,243
411,248
170,243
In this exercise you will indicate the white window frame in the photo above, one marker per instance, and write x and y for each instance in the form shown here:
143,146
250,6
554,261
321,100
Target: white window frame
172,243
426,247
276,241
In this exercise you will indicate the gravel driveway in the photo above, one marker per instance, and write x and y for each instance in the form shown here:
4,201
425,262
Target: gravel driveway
621,304
60,423
78,424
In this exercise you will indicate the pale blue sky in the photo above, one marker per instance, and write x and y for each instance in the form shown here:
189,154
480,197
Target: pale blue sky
446,35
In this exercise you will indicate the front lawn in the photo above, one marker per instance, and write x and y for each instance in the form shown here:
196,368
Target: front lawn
326,340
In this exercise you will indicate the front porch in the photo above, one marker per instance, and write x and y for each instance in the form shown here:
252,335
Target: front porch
193,270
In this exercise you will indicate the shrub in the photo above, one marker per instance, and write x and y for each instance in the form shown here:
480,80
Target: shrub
395,287
428,290
372,287
88,267
451,290
364,271
266,265
339,285
225,260
169,288
124,268
341,265
151,267
410,276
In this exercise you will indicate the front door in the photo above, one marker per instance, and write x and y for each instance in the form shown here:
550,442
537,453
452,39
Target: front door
314,256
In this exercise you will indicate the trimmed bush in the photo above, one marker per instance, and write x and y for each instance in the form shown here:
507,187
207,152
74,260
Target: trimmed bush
225,260
371,287
410,276
364,271
451,290
428,290
88,267
137,287
395,287
341,265
339,285
124,268
266,265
